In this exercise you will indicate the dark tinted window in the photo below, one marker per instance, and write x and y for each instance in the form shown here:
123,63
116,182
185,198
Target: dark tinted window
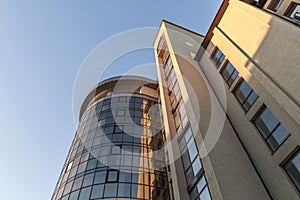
294,11
218,57
245,95
270,128
229,73
275,4
292,167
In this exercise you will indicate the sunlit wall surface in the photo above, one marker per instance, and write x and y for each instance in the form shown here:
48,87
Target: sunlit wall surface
114,153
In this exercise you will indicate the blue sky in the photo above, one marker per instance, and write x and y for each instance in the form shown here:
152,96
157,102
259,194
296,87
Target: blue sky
42,45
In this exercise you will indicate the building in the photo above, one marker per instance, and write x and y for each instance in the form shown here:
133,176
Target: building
256,52
246,70
114,152
230,110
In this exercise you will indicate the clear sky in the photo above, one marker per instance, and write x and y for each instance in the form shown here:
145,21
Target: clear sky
42,45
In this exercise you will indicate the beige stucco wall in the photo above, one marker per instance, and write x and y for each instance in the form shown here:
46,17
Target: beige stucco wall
229,172
265,51
273,46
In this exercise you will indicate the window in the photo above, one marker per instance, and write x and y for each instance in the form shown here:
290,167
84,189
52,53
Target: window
218,57
74,195
69,166
229,73
294,11
271,129
88,180
124,190
201,190
193,168
160,43
292,168
85,193
100,177
245,95
97,191
77,183
110,190
275,4
112,176
168,66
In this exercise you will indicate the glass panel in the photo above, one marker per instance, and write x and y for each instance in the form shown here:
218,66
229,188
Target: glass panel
266,122
100,177
277,137
242,91
77,183
110,190
112,176
134,190
189,176
201,184
188,134
192,149
205,195
85,193
250,100
295,12
275,4
88,180
74,195
293,169
185,159
226,73
68,187
124,177
196,166
232,78
218,58
124,190
97,191
81,167
91,164
65,197
69,166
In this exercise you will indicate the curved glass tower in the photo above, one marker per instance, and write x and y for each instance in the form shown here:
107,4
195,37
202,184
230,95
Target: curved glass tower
117,150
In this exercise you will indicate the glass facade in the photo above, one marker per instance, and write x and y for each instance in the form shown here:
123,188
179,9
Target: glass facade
113,153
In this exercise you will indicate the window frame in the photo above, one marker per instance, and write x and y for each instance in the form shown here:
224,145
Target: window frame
291,9
218,62
275,5
236,88
107,176
292,155
227,80
265,139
